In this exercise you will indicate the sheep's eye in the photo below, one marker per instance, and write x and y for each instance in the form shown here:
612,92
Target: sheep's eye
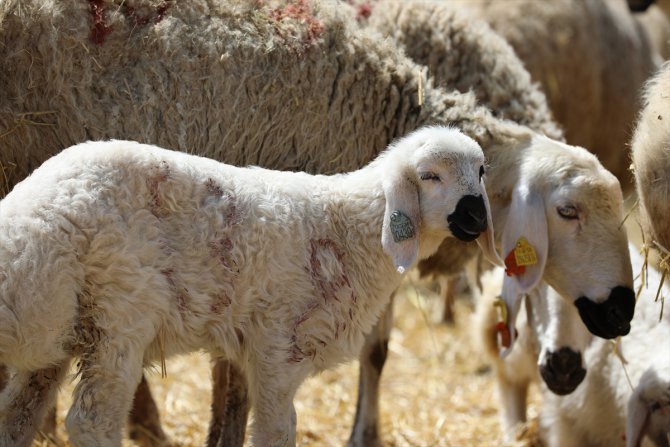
567,212
429,176
481,173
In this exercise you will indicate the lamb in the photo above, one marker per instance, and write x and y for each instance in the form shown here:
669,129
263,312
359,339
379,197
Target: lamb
649,150
116,251
601,408
260,70
613,401
550,346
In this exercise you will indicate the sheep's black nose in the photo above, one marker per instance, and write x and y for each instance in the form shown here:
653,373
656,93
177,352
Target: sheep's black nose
562,371
468,219
639,5
612,317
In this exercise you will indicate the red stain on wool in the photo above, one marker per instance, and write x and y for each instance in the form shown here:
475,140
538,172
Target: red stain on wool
100,29
159,175
220,249
220,302
300,11
181,293
328,288
213,189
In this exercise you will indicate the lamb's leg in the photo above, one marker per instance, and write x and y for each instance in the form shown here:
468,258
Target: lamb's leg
144,420
272,388
25,402
230,406
448,289
513,397
373,356
104,395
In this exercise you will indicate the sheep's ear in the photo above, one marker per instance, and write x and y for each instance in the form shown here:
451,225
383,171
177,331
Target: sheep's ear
400,232
526,219
638,415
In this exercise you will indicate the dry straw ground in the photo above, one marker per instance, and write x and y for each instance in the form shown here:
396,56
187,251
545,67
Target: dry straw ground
436,389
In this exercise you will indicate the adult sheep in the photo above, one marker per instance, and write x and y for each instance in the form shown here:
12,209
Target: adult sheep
572,47
268,78
650,150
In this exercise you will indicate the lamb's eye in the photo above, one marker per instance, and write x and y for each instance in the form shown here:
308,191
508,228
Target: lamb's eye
481,173
567,212
429,176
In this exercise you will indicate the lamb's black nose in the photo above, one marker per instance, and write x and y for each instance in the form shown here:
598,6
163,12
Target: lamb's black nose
562,371
469,218
612,317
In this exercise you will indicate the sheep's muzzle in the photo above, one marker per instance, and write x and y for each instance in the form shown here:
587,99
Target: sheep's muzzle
612,317
468,220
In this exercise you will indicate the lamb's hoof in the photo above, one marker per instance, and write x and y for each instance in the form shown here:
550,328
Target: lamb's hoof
368,438
149,436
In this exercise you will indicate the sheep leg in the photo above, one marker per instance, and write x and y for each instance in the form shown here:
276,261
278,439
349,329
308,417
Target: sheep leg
513,398
103,398
448,289
144,419
373,356
24,403
230,406
274,387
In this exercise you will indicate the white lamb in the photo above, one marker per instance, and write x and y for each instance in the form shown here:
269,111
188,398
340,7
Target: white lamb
603,406
118,253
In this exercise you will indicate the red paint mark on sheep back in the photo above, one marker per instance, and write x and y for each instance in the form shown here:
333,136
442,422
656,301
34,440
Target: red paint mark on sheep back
300,11
328,288
100,29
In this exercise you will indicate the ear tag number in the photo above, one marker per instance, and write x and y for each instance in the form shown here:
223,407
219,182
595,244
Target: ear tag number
402,228
522,255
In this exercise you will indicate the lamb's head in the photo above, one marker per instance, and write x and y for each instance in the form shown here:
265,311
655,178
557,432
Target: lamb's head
570,209
649,409
434,188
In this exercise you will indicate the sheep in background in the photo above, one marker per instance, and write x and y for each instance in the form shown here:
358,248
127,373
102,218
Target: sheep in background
86,71
604,406
573,48
650,149
115,252
656,24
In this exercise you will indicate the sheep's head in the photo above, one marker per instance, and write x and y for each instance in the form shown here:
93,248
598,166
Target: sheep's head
434,189
570,210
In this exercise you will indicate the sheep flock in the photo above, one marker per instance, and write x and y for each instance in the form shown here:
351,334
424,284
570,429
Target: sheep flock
363,223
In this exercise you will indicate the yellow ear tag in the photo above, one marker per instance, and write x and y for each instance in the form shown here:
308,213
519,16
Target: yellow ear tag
524,253
502,308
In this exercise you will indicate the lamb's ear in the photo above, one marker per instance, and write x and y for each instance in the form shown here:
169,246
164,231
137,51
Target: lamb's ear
526,219
400,232
486,240
638,415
